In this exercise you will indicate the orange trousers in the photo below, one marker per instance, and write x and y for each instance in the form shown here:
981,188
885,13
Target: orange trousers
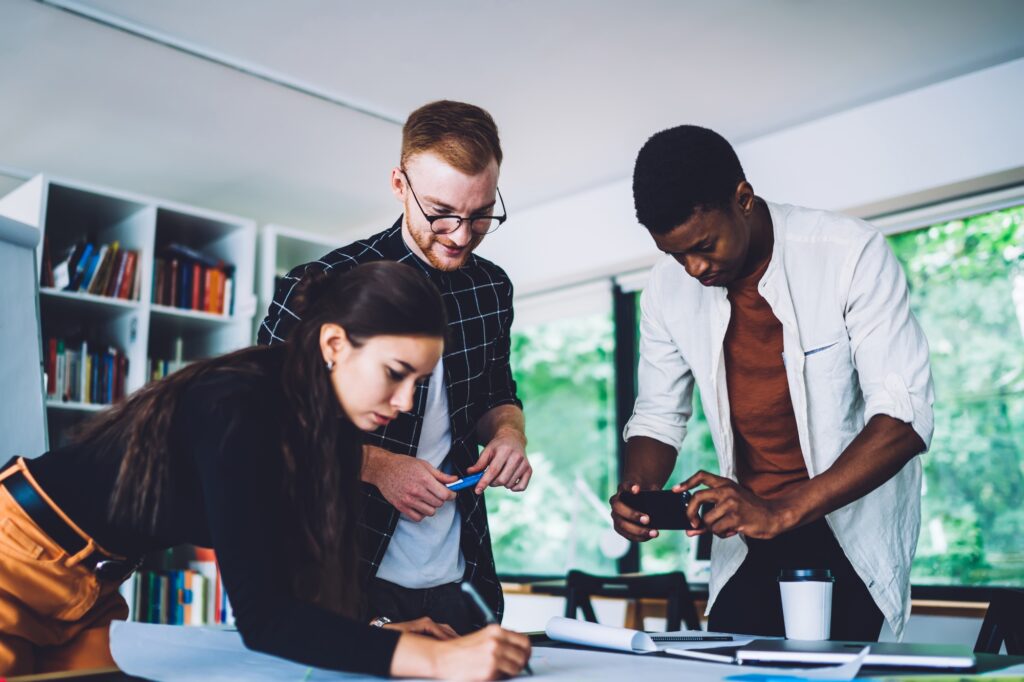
55,614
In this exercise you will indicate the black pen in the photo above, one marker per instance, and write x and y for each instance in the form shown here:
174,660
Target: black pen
484,610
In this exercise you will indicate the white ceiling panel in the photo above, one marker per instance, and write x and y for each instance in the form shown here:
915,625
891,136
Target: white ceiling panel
575,86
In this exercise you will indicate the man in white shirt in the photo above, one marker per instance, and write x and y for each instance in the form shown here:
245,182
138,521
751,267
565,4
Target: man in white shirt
814,376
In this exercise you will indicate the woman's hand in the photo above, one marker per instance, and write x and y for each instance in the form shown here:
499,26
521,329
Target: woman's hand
424,626
488,654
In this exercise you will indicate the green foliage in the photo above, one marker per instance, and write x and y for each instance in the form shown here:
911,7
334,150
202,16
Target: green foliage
671,551
966,280
565,375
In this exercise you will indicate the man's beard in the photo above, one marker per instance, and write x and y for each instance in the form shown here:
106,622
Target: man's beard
427,240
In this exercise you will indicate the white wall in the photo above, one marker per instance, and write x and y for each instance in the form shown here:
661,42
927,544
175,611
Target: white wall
923,145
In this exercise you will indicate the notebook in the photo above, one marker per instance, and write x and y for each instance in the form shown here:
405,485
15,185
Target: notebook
884,654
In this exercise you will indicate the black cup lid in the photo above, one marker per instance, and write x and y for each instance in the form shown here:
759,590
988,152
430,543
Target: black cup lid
796,575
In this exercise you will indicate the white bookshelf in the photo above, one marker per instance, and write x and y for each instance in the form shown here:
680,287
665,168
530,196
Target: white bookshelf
281,248
66,211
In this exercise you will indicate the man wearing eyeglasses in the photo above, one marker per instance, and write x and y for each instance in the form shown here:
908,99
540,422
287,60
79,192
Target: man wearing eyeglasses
420,538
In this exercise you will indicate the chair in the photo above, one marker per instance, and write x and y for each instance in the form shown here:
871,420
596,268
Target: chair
1004,622
672,587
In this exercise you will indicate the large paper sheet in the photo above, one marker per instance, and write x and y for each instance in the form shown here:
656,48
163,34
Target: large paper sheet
174,653
169,653
633,641
604,636
598,666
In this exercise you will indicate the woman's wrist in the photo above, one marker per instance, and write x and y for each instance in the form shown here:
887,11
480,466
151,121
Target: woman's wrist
415,656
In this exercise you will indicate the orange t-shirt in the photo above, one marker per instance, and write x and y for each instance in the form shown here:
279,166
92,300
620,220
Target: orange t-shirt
768,456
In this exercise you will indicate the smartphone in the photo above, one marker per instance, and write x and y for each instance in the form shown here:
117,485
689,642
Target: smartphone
666,509
466,482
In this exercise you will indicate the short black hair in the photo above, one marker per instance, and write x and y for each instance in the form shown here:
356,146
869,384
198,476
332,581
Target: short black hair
681,170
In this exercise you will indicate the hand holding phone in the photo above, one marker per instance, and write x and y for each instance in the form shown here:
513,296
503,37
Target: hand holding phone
666,509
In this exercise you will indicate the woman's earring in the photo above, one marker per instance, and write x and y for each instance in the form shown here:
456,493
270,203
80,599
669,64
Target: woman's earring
329,365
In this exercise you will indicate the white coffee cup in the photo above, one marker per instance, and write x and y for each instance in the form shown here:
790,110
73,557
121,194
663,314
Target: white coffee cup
807,602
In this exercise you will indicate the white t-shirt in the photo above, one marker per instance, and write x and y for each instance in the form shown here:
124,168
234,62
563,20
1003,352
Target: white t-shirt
427,553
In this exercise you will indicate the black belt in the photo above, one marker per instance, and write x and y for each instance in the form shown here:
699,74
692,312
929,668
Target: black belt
39,510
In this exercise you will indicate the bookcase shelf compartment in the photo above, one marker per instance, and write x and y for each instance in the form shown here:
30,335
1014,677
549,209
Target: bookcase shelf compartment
74,406
71,213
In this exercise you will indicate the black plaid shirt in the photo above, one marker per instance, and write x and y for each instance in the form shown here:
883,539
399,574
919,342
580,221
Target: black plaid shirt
478,298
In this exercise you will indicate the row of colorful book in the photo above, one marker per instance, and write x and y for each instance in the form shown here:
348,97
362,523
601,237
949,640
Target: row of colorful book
185,278
101,270
193,596
157,369
76,372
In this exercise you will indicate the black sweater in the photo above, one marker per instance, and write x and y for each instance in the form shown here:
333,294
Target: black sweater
225,492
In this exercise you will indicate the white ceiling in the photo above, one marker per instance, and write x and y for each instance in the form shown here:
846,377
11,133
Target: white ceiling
576,86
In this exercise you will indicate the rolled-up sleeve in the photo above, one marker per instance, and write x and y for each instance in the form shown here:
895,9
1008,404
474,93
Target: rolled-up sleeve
889,348
664,400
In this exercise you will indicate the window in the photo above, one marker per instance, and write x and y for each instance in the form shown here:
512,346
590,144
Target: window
562,358
966,280
673,551
967,290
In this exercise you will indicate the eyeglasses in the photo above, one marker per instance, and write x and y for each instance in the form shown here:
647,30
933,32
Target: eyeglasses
446,224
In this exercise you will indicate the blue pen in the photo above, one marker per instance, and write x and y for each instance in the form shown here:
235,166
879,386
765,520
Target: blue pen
484,610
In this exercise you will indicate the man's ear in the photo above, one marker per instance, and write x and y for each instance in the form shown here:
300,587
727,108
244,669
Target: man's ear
398,184
745,197
334,342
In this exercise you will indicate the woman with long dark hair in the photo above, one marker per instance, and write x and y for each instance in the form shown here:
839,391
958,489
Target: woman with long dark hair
258,455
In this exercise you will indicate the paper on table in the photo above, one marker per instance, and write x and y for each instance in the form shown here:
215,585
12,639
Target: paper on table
846,671
173,653
572,665
557,665
593,634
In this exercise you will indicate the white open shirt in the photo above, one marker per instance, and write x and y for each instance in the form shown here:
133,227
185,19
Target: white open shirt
852,349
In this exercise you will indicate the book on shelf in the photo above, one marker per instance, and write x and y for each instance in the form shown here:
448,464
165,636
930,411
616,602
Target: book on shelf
103,270
81,266
157,368
188,279
106,281
106,258
76,372
185,596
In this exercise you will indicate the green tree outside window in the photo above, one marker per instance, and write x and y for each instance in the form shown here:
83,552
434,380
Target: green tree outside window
966,280
565,374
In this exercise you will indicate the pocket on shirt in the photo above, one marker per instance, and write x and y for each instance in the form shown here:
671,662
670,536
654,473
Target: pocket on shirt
829,356
821,349
832,386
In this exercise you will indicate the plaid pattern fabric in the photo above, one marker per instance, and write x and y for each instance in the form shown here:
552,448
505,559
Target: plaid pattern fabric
478,298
